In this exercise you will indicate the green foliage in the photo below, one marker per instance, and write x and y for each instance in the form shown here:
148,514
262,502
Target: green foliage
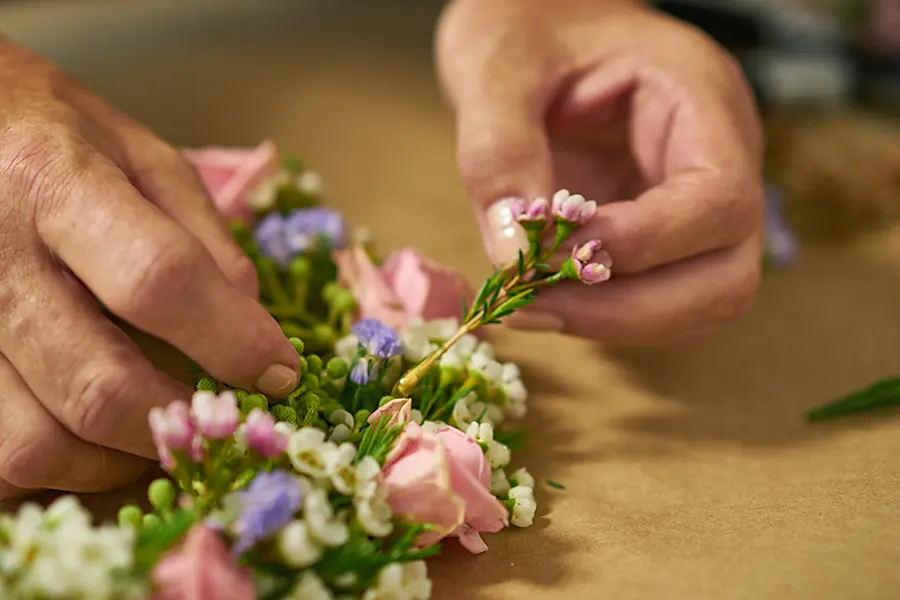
881,394
158,536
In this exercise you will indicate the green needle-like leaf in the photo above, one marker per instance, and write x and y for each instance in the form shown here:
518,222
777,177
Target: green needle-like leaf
881,394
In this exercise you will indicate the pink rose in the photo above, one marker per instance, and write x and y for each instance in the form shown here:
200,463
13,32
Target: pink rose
231,174
443,479
397,410
406,286
201,569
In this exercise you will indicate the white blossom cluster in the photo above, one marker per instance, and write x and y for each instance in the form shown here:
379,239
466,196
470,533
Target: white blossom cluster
56,554
328,467
263,197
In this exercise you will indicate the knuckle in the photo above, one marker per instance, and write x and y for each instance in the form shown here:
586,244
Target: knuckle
93,405
488,160
242,272
38,158
24,460
162,276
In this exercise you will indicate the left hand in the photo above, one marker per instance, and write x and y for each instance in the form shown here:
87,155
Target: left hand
612,100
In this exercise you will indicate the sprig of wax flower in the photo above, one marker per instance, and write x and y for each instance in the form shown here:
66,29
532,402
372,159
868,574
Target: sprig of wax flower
517,285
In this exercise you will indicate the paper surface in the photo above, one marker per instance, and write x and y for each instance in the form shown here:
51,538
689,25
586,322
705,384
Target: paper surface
688,474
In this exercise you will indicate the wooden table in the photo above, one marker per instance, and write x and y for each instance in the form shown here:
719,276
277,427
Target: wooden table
688,475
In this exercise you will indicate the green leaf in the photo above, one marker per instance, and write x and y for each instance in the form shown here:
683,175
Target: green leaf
883,393
521,264
514,439
512,304
556,486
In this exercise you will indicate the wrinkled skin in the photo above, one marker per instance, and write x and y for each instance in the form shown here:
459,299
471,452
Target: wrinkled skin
98,212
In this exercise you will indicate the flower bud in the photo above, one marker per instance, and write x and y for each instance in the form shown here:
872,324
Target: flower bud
216,416
314,364
161,494
322,335
284,413
300,268
262,436
208,384
336,368
172,427
150,520
254,402
130,516
297,343
573,208
310,381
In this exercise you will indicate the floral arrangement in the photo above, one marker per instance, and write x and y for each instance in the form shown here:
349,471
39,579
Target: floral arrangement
398,436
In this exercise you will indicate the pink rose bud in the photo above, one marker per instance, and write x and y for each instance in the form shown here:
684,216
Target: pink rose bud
591,263
262,435
201,568
397,411
573,208
527,213
171,426
216,416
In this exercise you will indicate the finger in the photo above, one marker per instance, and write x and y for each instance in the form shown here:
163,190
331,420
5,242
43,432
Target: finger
37,453
502,146
696,147
148,271
89,375
668,305
163,176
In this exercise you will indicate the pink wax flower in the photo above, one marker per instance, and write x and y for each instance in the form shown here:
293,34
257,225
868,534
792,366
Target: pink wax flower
216,416
171,427
201,568
262,436
397,411
443,479
534,213
573,208
406,286
230,175
591,263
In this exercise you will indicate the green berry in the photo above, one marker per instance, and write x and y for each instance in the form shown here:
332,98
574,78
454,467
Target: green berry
330,290
323,335
361,417
343,301
336,368
243,479
300,268
252,401
304,364
310,381
314,364
285,413
298,345
130,516
385,399
151,520
208,384
161,494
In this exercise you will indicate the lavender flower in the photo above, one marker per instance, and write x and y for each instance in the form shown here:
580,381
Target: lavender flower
781,244
270,237
302,228
360,373
268,504
378,339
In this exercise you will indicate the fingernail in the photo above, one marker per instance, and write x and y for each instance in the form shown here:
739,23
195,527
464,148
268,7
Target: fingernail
505,238
278,381
533,320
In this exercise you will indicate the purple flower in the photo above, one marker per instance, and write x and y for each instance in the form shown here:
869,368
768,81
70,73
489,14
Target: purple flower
302,228
781,245
268,504
378,339
269,236
360,373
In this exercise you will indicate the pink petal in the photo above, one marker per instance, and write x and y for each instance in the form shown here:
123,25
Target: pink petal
425,288
374,297
230,174
470,540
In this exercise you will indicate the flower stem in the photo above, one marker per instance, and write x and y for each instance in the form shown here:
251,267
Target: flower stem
409,380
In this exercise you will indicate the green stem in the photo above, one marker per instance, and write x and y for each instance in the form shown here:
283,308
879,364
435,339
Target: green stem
271,283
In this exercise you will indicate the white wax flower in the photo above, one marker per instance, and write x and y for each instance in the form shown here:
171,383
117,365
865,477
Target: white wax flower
510,372
341,416
487,367
306,449
310,182
310,587
522,478
321,520
297,546
407,581
515,391
416,416
341,433
263,197
498,455
524,506
453,360
346,347
483,433
466,345
338,461
499,483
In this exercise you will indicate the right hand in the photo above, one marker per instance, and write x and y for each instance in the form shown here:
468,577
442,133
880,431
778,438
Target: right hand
97,212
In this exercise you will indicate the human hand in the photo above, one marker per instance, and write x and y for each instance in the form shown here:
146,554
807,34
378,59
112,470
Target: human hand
617,102
98,212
